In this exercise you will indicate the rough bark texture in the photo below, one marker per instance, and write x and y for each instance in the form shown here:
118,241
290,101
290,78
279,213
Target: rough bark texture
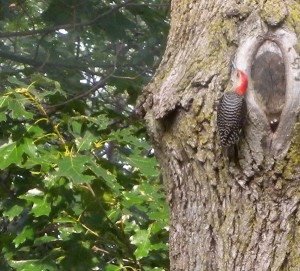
225,215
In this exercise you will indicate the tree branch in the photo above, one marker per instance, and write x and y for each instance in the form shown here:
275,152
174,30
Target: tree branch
95,87
39,63
64,26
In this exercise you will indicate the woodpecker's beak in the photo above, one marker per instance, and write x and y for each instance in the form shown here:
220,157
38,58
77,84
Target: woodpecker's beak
233,65
236,69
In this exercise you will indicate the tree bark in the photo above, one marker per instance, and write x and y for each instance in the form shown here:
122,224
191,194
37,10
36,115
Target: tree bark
227,215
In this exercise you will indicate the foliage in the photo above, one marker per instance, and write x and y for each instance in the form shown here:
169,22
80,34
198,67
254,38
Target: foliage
80,189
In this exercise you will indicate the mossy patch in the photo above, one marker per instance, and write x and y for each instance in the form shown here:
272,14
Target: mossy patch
274,12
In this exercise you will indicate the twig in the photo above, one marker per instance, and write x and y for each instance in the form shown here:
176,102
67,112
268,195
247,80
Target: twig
97,249
98,85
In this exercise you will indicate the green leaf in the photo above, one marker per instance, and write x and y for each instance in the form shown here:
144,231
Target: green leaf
132,199
85,143
28,147
40,206
14,80
102,122
127,136
17,108
13,211
142,242
25,234
11,154
35,131
107,176
159,246
44,240
66,232
3,116
32,265
64,219
75,128
46,158
46,82
111,267
73,168
4,101
146,165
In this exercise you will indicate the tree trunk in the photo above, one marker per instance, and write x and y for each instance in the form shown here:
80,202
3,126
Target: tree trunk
229,215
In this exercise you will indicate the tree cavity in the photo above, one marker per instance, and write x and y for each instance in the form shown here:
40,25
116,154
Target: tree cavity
269,81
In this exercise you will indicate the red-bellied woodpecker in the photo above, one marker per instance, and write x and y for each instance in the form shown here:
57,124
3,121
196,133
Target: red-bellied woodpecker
232,112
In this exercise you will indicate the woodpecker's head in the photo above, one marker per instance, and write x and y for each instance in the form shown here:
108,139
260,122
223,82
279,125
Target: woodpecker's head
242,85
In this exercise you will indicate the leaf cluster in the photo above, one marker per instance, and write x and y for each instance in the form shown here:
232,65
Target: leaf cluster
80,188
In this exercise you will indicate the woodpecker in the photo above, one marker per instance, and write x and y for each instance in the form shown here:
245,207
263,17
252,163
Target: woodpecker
232,111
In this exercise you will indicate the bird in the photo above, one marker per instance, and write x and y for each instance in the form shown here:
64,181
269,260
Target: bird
232,111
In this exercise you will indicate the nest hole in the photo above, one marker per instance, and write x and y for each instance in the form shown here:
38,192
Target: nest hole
269,81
